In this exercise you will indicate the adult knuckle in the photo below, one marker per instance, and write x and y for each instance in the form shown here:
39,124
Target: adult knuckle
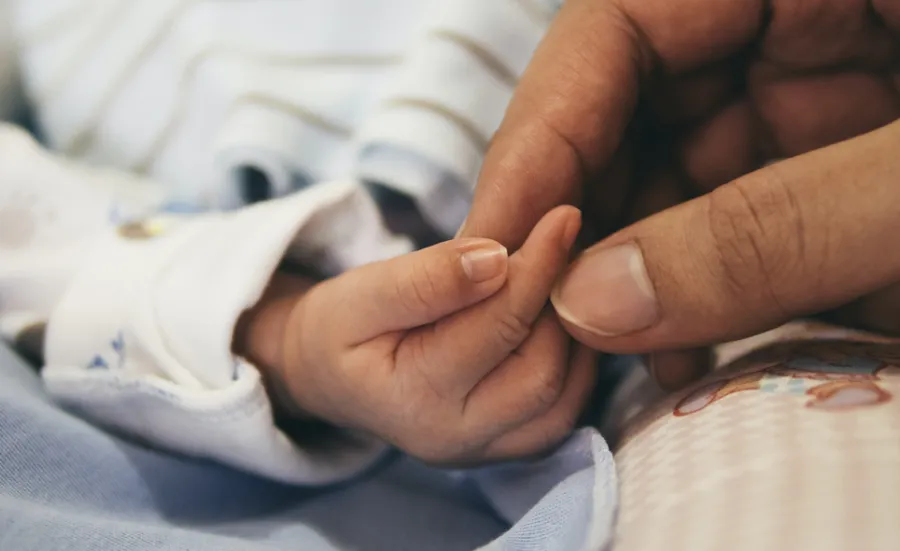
622,21
758,234
734,239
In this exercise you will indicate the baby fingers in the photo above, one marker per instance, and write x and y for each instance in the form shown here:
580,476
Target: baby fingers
414,289
550,427
460,350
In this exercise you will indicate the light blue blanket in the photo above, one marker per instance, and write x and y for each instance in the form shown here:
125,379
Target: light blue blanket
65,485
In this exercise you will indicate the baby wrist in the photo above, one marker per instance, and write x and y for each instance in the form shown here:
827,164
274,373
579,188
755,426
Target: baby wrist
260,336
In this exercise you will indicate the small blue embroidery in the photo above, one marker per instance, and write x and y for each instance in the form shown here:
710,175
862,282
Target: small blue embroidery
98,363
118,345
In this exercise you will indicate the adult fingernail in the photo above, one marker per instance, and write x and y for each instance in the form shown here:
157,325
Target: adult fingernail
485,262
608,292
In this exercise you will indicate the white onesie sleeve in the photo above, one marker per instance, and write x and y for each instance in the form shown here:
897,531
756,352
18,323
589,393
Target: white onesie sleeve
141,314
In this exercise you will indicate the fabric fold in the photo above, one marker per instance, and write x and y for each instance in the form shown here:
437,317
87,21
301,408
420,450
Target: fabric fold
141,340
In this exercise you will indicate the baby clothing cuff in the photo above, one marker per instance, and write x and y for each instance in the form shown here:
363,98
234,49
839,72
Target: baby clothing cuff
141,340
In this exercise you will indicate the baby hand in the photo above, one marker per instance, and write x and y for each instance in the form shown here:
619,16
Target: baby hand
443,352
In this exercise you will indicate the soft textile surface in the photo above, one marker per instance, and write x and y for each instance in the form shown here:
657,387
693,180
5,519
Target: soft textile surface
194,92
65,485
793,447
206,96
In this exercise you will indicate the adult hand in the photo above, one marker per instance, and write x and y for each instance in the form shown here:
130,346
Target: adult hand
632,106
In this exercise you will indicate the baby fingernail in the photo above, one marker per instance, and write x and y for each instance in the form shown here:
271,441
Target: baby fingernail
608,292
484,263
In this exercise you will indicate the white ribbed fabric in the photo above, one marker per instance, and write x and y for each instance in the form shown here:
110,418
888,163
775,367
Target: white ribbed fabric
404,92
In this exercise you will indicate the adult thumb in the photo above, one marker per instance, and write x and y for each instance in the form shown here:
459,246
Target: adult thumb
801,236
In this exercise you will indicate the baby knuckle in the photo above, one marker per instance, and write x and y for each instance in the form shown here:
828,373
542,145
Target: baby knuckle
417,448
411,441
434,435
419,289
512,329
559,430
429,455
433,452
568,419
548,435
545,386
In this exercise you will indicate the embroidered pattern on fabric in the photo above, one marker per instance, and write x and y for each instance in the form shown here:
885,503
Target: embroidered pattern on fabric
117,345
827,380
